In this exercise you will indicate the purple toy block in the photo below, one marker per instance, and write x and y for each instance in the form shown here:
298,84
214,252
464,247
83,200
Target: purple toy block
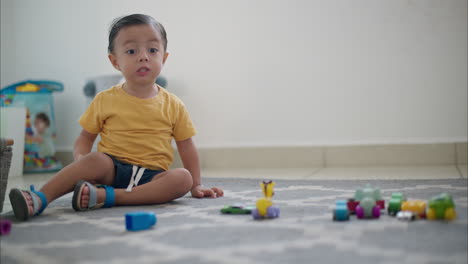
5,227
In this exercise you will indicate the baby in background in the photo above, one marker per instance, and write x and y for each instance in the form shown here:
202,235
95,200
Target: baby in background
42,138
137,121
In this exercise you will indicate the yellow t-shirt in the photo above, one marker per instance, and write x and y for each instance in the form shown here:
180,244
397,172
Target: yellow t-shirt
138,131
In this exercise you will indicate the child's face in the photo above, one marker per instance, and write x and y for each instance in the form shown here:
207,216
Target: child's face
40,125
139,54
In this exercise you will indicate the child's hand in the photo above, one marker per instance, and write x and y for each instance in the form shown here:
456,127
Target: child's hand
201,192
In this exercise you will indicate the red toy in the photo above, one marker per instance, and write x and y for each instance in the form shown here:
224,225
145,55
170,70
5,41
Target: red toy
352,205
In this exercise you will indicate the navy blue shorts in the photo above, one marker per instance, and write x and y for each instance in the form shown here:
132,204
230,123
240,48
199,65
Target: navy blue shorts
123,174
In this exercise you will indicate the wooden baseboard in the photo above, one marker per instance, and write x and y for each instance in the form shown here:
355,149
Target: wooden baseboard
325,156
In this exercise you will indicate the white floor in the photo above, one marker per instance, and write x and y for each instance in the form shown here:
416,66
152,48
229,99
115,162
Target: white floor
360,173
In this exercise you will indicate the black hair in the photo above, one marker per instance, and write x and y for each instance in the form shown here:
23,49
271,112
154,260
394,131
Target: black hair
43,117
132,20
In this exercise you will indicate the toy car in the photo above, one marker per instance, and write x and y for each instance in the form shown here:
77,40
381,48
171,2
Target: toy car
264,207
418,207
370,202
406,216
358,195
367,208
237,209
441,207
394,204
366,211
341,212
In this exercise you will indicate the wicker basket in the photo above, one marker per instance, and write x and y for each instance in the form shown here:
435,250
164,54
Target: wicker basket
5,162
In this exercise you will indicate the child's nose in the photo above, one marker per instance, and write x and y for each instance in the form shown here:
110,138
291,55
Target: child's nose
144,56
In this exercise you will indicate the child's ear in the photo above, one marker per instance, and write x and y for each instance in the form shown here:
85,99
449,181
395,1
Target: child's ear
113,61
166,54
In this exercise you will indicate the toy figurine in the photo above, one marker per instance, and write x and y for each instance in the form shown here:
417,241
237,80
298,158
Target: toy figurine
441,207
341,212
139,220
265,207
394,204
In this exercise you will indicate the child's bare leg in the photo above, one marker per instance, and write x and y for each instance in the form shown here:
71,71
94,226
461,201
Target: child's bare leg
164,187
95,167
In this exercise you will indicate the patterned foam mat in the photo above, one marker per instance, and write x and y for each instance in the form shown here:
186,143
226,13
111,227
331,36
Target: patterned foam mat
194,231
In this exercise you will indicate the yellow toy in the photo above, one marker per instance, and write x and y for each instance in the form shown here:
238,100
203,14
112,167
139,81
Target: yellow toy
28,87
265,208
418,207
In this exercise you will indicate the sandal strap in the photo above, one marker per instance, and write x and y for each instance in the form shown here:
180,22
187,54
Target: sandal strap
43,198
110,195
35,200
92,195
92,202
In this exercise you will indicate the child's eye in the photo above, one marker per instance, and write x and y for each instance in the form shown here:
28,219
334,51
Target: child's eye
131,51
153,50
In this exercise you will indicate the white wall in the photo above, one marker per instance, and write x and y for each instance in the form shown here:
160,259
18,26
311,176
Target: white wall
260,72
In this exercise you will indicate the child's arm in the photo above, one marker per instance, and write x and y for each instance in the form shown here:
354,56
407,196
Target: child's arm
189,155
83,144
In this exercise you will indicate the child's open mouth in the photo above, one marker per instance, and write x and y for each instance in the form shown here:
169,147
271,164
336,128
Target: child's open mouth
142,71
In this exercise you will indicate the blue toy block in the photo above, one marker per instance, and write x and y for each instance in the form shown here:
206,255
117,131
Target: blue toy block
137,221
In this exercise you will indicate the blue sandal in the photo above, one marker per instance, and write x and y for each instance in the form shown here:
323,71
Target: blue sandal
92,203
20,205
